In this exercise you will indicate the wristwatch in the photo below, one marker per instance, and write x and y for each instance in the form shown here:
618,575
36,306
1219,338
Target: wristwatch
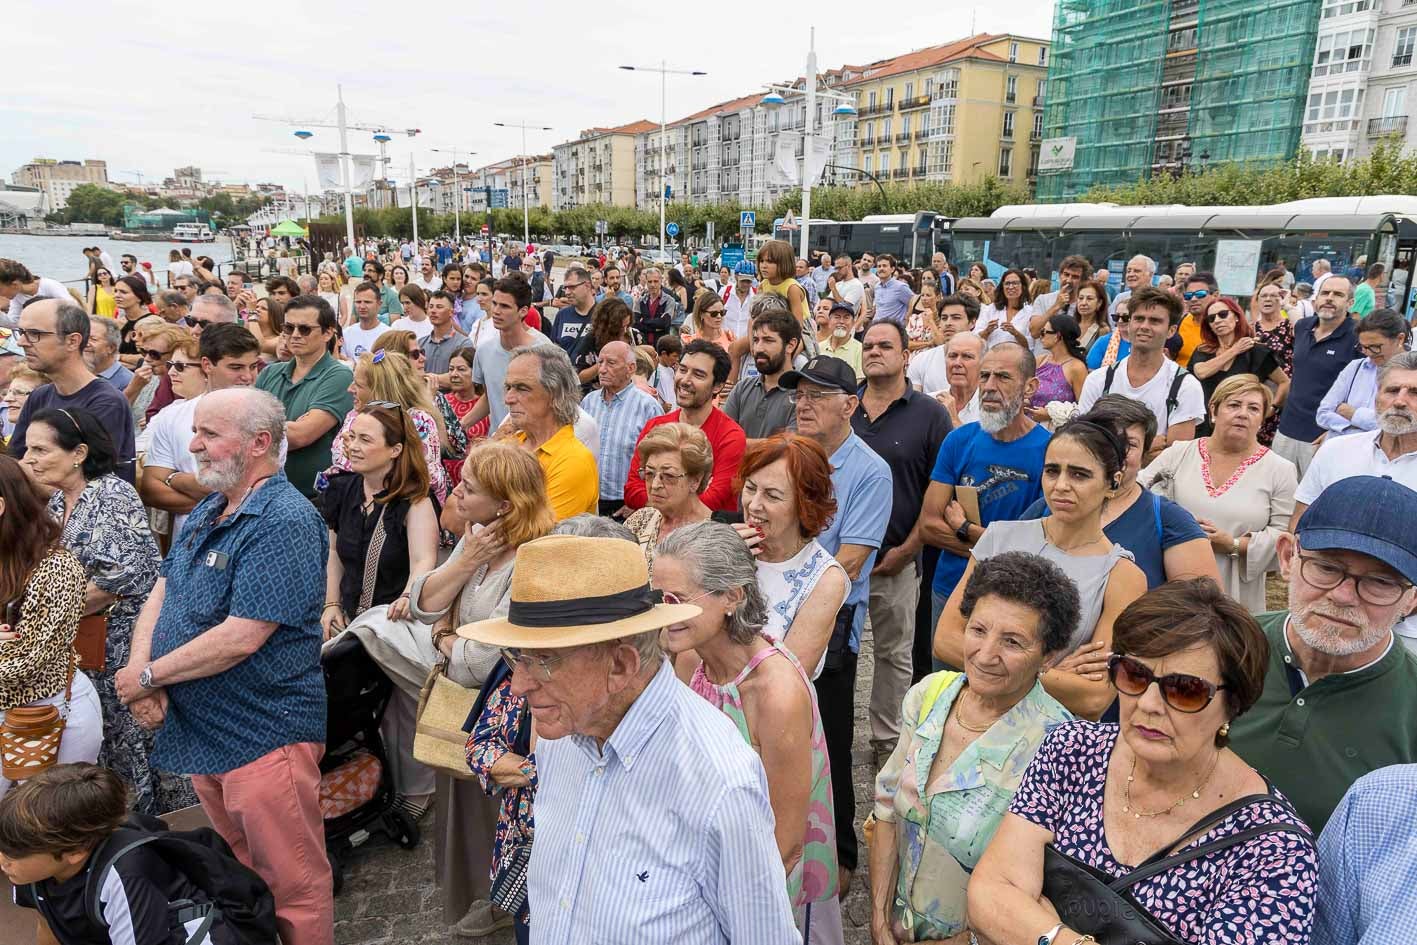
145,678
962,533
1047,937
167,481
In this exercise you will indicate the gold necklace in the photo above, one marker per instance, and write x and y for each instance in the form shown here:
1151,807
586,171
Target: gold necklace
959,717
1127,791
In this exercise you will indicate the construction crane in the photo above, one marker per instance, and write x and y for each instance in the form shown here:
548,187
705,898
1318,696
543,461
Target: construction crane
342,123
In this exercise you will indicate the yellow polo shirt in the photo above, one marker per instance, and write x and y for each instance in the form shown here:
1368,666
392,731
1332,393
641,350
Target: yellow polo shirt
1190,333
572,480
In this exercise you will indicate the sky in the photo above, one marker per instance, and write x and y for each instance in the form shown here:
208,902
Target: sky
153,86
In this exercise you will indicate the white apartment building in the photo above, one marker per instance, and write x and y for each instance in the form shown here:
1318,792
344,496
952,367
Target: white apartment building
597,168
59,178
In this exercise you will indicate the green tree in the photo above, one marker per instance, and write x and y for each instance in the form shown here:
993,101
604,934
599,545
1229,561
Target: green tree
90,203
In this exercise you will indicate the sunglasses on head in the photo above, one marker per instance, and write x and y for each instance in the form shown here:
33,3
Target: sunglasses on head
1181,691
304,331
384,405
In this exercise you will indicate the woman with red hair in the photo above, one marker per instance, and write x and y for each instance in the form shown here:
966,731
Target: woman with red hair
785,487
1228,348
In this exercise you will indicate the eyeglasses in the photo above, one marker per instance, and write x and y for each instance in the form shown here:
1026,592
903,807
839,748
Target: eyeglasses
304,331
152,354
1376,589
669,479
32,335
1198,294
180,366
671,598
538,667
1182,691
1372,349
812,396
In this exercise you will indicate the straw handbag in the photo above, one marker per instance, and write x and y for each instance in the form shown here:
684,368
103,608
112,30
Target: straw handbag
30,735
443,707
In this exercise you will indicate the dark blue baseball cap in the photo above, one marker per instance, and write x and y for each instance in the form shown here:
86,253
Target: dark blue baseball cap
1371,515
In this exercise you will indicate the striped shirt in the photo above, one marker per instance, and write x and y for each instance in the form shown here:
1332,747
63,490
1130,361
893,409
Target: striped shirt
621,419
664,835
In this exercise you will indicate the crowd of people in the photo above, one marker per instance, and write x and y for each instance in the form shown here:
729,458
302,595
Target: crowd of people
637,522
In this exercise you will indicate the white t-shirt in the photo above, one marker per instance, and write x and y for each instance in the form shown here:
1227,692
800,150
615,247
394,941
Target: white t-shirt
926,370
851,290
737,315
48,289
359,340
169,437
1190,399
180,268
432,285
422,328
998,336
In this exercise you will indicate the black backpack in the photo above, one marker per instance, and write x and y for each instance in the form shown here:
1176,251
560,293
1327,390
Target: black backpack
236,896
1173,395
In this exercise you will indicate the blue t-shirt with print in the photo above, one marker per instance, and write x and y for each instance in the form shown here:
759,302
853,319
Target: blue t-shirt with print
1008,476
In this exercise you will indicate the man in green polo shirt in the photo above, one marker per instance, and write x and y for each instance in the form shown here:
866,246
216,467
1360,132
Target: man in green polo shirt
1340,694
314,388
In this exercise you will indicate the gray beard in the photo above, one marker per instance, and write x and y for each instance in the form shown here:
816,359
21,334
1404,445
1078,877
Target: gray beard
993,421
222,476
1330,643
1397,422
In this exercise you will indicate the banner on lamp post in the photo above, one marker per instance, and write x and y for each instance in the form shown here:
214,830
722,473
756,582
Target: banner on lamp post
363,169
327,171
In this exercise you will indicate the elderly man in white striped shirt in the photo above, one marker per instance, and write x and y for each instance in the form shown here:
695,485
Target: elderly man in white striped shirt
622,410
652,817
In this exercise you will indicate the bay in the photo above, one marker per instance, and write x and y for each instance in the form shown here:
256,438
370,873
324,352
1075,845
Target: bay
62,257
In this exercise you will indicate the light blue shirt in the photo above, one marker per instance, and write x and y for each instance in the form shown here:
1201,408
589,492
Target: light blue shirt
1357,386
468,312
893,300
621,420
861,482
663,835
1368,863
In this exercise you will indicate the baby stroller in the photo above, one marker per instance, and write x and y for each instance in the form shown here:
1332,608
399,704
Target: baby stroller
357,796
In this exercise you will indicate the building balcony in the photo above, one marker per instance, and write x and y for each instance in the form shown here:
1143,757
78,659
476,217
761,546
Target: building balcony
918,171
1037,101
880,108
900,173
868,142
1007,134
1387,125
914,102
903,137
1010,98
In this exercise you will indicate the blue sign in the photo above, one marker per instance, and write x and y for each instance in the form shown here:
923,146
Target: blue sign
498,198
747,220
730,256
672,229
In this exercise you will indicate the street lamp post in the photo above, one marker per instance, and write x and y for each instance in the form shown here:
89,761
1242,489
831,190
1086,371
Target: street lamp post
457,192
664,73
845,108
526,195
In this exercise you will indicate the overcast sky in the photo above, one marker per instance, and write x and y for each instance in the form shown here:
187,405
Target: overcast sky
148,87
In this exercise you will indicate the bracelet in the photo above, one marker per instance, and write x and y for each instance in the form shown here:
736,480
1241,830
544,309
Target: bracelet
171,476
333,603
1235,547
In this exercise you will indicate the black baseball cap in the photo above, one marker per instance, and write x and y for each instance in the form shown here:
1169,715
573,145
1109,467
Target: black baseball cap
825,371
844,306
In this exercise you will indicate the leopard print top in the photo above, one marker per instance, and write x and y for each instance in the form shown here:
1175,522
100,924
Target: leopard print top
36,665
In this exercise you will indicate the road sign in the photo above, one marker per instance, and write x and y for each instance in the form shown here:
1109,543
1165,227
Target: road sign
486,229
747,220
730,256
672,229
602,226
498,198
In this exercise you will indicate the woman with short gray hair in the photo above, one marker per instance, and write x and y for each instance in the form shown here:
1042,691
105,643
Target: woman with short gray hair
1348,407
762,688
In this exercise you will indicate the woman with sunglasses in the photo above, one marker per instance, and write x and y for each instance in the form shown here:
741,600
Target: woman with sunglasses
451,436
1082,472
938,801
101,301
1240,493
502,499
1061,371
1188,660
676,462
387,377
155,346
1113,347
706,322
1228,349
757,682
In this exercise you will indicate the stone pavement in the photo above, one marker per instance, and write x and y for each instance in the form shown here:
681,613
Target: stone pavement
389,897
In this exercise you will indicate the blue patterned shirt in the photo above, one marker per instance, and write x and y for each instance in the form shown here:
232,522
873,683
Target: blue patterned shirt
621,419
1368,863
266,562
664,835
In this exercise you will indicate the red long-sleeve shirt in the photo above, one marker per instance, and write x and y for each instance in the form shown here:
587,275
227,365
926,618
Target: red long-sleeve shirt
728,442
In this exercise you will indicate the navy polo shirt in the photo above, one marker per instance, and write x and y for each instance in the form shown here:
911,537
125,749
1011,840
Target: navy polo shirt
1317,365
266,562
907,435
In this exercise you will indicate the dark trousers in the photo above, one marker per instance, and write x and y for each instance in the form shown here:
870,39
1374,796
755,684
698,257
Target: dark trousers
923,656
836,697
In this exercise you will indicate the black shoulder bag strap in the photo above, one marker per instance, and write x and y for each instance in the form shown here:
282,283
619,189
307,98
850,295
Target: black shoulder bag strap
1107,381
1173,396
1159,862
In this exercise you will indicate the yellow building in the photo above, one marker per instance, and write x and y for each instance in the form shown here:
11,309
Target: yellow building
957,112
597,167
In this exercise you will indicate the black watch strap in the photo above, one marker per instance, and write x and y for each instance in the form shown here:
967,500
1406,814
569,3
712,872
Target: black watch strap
962,533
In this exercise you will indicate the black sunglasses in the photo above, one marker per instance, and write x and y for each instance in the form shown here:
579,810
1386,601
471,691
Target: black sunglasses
304,331
152,354
1182,691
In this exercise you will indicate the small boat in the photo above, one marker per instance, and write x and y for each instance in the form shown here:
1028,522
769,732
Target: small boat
192,233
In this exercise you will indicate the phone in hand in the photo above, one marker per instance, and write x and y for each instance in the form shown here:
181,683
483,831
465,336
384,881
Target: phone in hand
12,615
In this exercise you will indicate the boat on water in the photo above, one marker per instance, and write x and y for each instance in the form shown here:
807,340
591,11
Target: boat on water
193,233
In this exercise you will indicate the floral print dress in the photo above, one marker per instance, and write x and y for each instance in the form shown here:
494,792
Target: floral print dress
1259,891
1280,340
493,736
108,532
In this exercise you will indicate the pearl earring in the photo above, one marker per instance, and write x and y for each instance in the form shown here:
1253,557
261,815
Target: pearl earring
1225,730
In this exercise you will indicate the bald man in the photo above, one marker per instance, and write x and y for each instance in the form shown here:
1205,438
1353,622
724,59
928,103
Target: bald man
622,410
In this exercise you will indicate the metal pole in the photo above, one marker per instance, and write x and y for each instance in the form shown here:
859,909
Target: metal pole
413,199
346,173
526,200
807,141
663,144
457,201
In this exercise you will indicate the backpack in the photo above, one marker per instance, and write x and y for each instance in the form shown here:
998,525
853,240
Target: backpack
1173,395
237,896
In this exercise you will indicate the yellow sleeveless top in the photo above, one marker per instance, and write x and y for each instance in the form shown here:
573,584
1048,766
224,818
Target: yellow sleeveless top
104,304
782,289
